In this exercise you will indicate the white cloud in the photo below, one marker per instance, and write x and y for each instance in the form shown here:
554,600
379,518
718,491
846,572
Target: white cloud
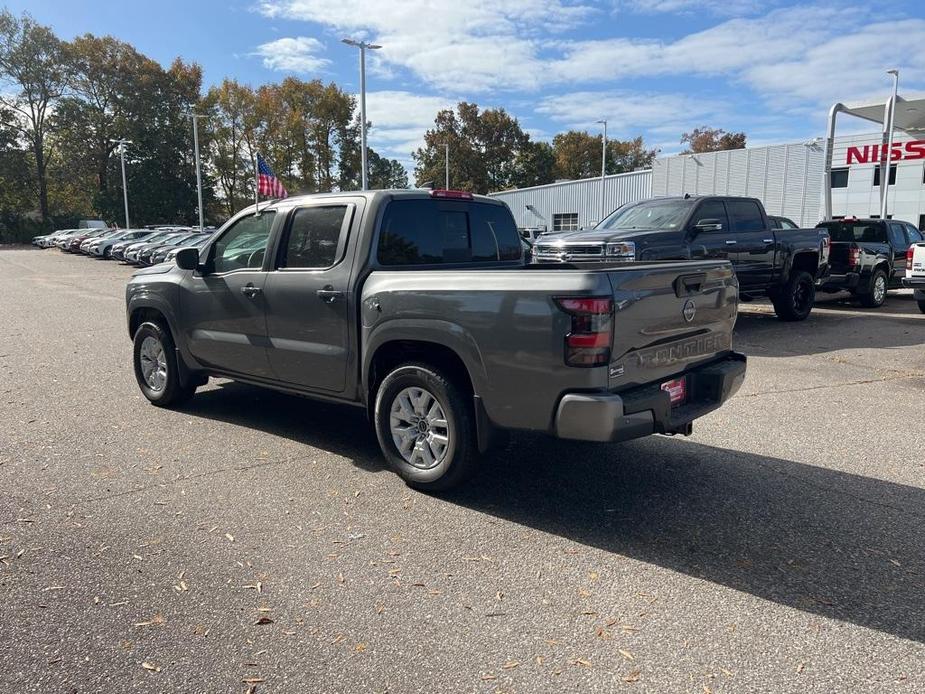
477,45
715,7
628,112
400,119
296,54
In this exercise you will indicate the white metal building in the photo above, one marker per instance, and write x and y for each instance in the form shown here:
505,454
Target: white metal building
575,204
787,178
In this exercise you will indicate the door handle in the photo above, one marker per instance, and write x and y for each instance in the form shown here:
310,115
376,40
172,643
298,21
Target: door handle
329,295
768,240
731,243
250,291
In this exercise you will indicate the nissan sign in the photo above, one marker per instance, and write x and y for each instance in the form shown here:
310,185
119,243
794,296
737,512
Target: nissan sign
870,154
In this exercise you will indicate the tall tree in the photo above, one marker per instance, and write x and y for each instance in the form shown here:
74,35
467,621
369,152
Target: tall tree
33,63
232,115
385,173
484,149
15,191
578,155
108,80
706,139
535,164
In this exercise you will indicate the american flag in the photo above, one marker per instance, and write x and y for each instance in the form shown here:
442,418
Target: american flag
268,184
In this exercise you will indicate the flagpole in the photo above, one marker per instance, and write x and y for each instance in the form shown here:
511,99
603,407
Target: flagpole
256,187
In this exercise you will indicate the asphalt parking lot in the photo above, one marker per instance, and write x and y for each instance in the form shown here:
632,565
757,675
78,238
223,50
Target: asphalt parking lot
255,540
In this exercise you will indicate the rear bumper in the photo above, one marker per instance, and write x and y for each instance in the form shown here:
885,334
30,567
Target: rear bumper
834,283
917,284
647,410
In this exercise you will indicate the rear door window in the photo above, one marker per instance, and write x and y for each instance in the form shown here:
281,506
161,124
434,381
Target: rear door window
314,237
914,235
745,215
897,235
436,232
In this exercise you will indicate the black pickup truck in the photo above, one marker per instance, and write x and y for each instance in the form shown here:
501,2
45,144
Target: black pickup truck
868,256
782,264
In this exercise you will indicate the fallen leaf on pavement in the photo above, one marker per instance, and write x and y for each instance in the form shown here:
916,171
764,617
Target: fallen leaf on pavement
632,677
150,666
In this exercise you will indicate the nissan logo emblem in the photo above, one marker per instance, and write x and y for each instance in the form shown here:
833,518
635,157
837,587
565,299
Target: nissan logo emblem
689,310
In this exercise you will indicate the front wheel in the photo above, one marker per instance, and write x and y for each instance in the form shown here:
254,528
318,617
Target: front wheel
921,303
795,300
425,426
876,294
156,368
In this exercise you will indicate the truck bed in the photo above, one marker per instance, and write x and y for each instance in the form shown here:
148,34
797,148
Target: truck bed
507,322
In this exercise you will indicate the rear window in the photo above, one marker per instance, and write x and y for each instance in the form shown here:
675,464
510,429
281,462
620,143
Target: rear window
846,232
436,232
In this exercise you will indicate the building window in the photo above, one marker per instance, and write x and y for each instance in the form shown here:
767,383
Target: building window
565,222
839,178
922,222
892,176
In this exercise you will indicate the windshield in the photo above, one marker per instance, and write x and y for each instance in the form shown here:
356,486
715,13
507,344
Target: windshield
653,214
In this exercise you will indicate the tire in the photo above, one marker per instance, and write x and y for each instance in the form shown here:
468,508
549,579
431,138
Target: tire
921,303
876,293
424,465
794,301
154,349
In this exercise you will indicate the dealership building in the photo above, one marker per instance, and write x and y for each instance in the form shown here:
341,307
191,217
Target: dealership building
788,178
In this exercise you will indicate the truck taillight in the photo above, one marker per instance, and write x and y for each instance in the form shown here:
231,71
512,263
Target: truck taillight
451,194
854,256
826,249
909,253
588,342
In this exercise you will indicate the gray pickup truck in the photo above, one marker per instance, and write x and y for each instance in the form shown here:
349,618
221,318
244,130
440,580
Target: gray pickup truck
419,307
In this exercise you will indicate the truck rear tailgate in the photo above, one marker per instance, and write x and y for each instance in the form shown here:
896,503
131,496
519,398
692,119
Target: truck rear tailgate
838,257
669,317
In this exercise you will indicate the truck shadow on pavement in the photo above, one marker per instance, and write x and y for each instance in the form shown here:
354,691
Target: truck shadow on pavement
826,542
832,326
340,429
823,541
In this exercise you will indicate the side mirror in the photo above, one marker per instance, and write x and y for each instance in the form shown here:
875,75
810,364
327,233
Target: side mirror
187,258
708,225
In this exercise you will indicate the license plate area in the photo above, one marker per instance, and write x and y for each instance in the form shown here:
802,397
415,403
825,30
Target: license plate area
677,390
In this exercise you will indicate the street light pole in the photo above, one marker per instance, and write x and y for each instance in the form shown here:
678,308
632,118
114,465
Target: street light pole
122,144
603,167
194,116
362,45
886,157
446,150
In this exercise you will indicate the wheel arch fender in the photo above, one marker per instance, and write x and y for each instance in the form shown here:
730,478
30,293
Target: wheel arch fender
146,306
422,333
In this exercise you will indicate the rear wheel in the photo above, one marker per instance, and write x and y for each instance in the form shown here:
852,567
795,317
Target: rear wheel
921,303
876,293
795,300
426,428
156,368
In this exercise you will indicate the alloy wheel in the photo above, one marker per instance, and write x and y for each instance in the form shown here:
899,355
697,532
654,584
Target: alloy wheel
153,362
419,428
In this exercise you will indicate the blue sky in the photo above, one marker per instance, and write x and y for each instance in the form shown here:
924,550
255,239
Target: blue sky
654,68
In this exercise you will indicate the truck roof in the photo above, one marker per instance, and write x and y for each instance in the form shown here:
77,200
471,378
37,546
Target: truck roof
406,193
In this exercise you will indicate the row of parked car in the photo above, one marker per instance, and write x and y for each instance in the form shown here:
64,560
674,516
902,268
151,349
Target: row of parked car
148,246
